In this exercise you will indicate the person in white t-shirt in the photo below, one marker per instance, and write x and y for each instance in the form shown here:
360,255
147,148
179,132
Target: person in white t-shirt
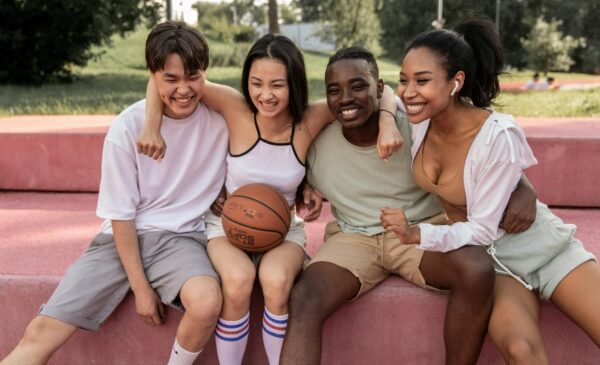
152,240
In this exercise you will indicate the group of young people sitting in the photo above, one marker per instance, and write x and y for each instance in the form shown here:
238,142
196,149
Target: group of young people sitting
427,185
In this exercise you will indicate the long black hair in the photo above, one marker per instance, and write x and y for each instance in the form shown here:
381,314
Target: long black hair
283,49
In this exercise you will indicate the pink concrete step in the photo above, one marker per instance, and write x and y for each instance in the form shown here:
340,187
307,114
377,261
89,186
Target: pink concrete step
63,153
53,153
396,323
567,150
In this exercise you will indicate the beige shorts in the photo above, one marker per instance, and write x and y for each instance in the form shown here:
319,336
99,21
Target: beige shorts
370,258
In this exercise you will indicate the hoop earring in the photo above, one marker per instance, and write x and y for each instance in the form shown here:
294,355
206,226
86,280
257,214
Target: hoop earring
456,85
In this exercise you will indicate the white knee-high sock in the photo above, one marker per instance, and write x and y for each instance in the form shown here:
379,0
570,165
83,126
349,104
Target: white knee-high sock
181,356
231,338
274,327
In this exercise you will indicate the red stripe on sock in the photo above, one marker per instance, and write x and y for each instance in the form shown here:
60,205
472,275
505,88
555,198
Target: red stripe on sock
225,332
269,324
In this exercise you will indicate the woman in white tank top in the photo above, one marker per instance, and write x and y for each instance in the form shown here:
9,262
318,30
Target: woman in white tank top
270,130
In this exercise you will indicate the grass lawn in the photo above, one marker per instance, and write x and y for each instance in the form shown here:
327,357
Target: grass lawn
118,77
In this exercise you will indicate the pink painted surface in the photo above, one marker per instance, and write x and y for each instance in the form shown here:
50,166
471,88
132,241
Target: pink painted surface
60,153
394,323
568,169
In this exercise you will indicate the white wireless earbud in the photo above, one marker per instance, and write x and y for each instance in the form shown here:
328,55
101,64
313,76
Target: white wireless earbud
456,85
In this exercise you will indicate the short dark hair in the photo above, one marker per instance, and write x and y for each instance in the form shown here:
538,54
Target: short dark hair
356,53
176,37
474,47
283,49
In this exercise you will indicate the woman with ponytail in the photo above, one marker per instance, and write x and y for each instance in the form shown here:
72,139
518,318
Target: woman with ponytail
472,157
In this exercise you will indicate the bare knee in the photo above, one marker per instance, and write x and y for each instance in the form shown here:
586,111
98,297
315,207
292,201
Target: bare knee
237,285
276,282
201,298
521,350
307,302
473,272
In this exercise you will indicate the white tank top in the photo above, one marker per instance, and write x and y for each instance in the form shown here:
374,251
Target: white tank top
275,164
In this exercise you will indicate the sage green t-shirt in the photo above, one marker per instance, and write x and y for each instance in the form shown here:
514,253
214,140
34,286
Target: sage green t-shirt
358,184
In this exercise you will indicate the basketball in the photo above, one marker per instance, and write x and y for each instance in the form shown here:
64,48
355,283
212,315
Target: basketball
256,218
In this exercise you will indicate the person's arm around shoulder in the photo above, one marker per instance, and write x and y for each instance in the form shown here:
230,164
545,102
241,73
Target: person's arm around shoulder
147,302
318,116
389,139
150,142
521,210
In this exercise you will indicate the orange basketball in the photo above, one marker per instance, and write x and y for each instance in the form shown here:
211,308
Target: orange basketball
256,218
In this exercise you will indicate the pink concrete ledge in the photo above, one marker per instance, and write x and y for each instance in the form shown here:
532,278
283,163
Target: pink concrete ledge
63,153
396,323
53,153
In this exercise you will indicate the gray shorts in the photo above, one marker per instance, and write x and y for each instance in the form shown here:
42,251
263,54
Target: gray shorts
214,228
96,283
544,254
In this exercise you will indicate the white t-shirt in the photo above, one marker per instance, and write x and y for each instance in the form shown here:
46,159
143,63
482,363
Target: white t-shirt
169,196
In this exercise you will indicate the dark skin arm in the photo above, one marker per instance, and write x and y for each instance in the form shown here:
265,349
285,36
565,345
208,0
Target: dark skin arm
520,211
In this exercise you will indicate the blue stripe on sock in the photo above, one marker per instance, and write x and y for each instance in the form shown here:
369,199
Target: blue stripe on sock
233,339
280,321
233,325
272,333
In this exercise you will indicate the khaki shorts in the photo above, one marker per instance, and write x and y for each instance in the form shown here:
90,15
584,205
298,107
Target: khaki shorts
97,282
370,258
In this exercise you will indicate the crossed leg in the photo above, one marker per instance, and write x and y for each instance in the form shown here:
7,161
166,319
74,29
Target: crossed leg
469,275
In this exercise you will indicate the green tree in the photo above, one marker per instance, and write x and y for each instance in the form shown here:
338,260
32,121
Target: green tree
310,9
401,20
547,48
41,40
350,23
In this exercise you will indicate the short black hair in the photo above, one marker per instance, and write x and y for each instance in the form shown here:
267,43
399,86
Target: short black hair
179,38
355,53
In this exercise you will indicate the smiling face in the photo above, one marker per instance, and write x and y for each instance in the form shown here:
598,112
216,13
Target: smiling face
178,90
268,87
352,91
424,85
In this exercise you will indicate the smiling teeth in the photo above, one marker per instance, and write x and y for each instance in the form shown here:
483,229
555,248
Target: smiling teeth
183,100
414,108
348,112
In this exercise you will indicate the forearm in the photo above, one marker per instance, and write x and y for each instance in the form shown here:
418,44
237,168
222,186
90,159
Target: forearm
154,107
388,108
127,244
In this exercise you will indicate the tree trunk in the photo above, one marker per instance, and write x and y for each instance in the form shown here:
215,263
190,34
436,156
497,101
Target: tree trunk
273,17
168,10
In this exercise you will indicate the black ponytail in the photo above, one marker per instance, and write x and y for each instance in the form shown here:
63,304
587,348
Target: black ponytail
474,48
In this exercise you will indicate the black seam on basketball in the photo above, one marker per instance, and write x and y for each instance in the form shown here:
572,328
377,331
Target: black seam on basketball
282,199
265,205
247,226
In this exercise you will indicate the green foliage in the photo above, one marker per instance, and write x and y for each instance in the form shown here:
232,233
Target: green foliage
226,22
351,23
42,40
228,55
547,48
401,20
310,10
